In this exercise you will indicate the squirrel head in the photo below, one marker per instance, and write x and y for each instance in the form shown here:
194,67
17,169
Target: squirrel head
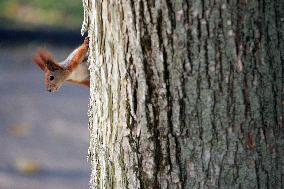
54,74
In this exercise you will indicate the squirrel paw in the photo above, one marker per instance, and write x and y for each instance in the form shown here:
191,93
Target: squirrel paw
86,41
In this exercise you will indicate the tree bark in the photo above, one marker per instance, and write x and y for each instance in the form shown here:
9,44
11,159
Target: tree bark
186,94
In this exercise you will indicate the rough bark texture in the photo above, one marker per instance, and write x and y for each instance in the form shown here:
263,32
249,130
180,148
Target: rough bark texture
186,94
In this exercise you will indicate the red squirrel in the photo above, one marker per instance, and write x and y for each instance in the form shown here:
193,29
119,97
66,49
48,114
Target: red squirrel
73,69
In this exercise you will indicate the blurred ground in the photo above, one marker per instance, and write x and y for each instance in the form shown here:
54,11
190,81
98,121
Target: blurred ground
43,136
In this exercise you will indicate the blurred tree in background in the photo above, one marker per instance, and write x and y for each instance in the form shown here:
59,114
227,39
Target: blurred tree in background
30,14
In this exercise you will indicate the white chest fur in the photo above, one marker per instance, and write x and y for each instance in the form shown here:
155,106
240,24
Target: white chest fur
81,73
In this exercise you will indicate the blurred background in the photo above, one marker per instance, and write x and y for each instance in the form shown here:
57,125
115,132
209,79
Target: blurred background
43,136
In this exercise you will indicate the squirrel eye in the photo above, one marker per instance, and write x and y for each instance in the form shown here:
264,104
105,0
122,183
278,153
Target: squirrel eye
51,77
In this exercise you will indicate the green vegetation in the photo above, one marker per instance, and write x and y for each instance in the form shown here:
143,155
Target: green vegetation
40,13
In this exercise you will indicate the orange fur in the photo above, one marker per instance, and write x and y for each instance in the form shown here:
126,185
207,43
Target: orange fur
81,52
84,83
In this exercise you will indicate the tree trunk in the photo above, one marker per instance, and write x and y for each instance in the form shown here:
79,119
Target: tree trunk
186,94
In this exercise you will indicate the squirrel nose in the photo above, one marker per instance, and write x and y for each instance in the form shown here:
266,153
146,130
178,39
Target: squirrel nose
49,90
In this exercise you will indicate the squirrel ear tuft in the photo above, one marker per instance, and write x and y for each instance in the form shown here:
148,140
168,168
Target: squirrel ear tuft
44,60
39,60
